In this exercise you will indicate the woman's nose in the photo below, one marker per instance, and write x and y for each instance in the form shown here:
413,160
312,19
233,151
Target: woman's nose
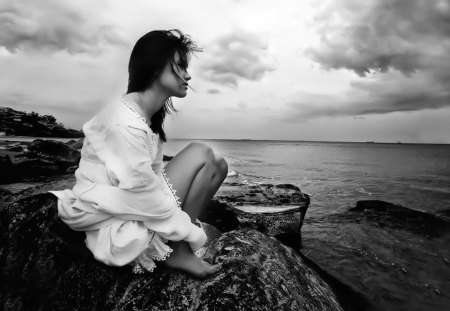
187,76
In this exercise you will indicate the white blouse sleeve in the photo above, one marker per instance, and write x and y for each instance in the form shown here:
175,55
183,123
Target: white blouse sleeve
158,164
127,157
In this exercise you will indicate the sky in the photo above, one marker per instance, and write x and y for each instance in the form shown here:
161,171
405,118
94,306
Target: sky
338,70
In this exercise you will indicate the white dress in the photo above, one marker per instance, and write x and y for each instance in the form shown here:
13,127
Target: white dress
123,199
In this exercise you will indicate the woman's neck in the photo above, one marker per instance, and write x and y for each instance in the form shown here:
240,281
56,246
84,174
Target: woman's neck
148,102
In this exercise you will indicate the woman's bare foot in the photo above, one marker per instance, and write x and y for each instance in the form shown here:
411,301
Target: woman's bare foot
184,259
192,265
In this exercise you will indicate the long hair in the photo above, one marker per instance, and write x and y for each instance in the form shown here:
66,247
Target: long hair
150,55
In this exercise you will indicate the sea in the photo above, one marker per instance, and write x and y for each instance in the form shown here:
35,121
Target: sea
380,261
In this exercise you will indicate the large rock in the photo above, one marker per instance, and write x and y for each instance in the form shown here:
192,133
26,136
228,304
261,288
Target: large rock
45,265
41,158
386,214
59,152
16,191
276,210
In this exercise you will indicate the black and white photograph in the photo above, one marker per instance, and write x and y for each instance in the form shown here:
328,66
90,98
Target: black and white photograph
225,155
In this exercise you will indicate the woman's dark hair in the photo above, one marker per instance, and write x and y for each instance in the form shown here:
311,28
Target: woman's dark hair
147,61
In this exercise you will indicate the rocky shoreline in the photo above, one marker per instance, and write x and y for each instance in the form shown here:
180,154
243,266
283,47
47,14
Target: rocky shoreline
46,266
254,230
20,123
26,161
259,271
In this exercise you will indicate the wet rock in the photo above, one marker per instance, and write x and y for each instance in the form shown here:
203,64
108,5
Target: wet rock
385,214
275,210
45,265
444,214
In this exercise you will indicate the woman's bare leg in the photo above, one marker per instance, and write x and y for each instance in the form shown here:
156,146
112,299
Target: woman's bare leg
196,173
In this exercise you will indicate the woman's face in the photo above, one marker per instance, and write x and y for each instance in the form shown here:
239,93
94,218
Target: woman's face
169,81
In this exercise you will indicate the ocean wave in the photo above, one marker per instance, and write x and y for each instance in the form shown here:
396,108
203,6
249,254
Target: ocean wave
233,173
432,189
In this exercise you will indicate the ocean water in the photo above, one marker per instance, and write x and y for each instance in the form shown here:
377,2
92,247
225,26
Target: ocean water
396,263
336,175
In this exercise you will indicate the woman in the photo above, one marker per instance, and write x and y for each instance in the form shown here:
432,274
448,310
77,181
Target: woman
134,210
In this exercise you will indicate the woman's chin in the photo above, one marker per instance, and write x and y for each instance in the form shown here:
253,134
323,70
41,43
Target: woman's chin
181,94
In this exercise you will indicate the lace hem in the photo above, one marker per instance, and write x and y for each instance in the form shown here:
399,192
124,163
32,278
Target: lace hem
164,257
139,269
177,199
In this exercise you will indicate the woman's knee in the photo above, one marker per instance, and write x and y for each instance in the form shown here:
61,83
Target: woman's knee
222,165
204,151
213,161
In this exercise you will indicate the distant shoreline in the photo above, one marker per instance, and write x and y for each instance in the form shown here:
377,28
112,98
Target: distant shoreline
31,138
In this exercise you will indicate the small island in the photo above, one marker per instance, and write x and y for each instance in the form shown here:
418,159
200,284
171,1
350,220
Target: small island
19,123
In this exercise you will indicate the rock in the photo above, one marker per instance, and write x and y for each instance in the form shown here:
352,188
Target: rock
65,133
6,169
444,214
275,210
42,158
13,192
33,124
16,149
264,194
45,265
220,215
386,214
55,150
76,144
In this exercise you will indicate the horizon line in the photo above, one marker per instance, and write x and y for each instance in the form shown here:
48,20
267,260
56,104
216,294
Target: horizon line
317,141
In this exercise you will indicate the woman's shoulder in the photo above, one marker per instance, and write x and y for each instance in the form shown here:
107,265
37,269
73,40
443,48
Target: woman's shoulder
114,117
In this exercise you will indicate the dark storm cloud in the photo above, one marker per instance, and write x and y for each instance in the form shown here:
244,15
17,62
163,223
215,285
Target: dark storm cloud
52,26
380,39
236,56
380,101
401,97
368,36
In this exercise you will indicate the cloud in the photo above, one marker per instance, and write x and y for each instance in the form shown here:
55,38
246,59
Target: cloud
366,98
213,91
376,36
53,25
234,56
400,50
243,106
